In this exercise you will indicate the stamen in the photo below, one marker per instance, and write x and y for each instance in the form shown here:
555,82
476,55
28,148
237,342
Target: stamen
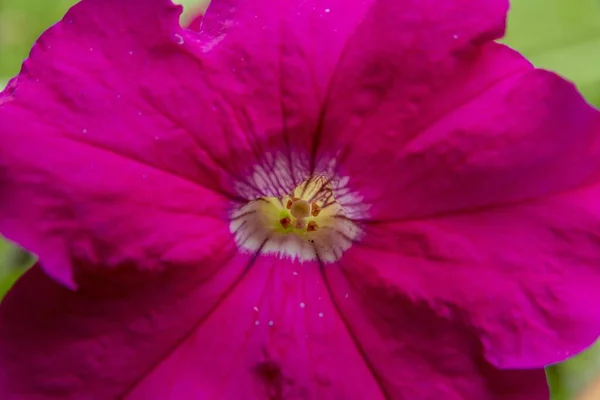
312,226
290,202
285,222
315,209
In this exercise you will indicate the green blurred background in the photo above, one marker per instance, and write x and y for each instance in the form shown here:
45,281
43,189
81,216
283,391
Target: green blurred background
560,35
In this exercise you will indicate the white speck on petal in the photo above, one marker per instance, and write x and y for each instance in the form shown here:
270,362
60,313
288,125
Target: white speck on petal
257,322
346,295
255,308
207,46
271,323
130,52
327,10
302,305
84,131
179,38
295,273
320,315
455,36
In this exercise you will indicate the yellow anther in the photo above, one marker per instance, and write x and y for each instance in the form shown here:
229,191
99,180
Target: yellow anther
290,202
285,222
315,209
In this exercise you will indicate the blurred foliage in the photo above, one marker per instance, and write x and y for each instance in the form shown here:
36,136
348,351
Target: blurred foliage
12,262
21,22
572,377
560,35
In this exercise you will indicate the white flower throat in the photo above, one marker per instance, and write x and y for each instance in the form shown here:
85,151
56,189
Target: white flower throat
307,224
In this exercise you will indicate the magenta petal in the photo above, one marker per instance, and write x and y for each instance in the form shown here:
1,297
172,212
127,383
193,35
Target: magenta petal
281,44
273,69
454,120
526,137
278,336
406,65
520,280
181,335
98,341
415,350
92,171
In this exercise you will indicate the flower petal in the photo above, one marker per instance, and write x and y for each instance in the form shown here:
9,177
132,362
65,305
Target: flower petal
271,65
259,327
321,88
434,118
97,341
519,279
283,44
528,136
278,336
93,171
416,351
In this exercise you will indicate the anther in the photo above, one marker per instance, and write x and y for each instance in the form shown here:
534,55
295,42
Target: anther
285,222
290,202
315,209
312,226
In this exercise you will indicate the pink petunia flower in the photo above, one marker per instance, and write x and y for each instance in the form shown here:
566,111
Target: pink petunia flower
315,199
